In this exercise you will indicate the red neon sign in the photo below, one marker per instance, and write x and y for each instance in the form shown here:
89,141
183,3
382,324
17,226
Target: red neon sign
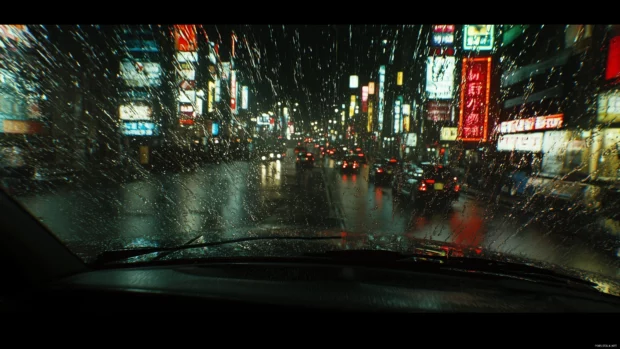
474,108
185,37
364,99
613,59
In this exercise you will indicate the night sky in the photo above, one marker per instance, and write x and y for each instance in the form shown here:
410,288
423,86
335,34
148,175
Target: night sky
307,63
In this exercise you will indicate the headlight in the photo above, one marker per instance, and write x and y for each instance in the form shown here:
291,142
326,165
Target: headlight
279,156
263,157
271,155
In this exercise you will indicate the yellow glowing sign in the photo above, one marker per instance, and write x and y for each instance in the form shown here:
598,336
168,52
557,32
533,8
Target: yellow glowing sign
370,108
371,88
352,106
399,78
406,123
210,96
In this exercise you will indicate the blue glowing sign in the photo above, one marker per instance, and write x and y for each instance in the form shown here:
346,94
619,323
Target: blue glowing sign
140,128
216,129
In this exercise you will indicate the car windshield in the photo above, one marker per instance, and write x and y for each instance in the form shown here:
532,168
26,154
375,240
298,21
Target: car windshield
130,136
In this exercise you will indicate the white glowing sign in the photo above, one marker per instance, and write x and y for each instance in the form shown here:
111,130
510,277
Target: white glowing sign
354,81
381,96
245,91
528,142
135,112
440,77
141,74
187,57
478,37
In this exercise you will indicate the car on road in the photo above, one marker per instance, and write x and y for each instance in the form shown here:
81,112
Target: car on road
304,160
382,171
350,164
427,183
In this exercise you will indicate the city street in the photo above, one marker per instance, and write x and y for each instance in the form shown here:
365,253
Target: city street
218,201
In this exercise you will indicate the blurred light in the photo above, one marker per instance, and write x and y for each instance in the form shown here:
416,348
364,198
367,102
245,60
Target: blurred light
399,78
353,81
371,88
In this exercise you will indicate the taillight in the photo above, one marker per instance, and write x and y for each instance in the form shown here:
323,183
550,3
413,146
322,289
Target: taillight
379,170
422,187
309,154
344,164
360,155
457,188
430,181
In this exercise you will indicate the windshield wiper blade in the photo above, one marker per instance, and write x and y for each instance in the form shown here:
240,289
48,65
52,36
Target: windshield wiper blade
119,255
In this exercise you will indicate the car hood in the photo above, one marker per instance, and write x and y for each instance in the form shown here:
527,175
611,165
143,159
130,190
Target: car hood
265,246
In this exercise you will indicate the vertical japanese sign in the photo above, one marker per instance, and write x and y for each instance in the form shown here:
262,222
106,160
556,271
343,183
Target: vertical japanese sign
244,97
352,106
381,96
211,96
364,99
397,114
370,112
185,38
233,90
474,108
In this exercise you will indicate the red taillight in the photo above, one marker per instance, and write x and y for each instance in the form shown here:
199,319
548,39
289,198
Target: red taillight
360,155
316,145
457,188
422,187
380,170
393,160
309,154
430,181
344,164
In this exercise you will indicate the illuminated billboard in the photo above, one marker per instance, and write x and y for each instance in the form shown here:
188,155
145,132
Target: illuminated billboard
370,116
210,96
440,77
22,126
608,108
225,71
352,106
233,90
135,111
185,37
474,105
354,81
183,57
528,142
141,45
245,91
612,71
538,123
398,114
399,78
188,96
364,99
478,37
218,91
140,128
13,35
381,96
187,71
140,74
438,111
443,35
371,88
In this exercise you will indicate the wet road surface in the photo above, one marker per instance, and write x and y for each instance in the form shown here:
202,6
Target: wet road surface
218,201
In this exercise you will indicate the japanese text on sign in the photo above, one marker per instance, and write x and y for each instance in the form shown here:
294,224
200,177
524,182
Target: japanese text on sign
474,109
